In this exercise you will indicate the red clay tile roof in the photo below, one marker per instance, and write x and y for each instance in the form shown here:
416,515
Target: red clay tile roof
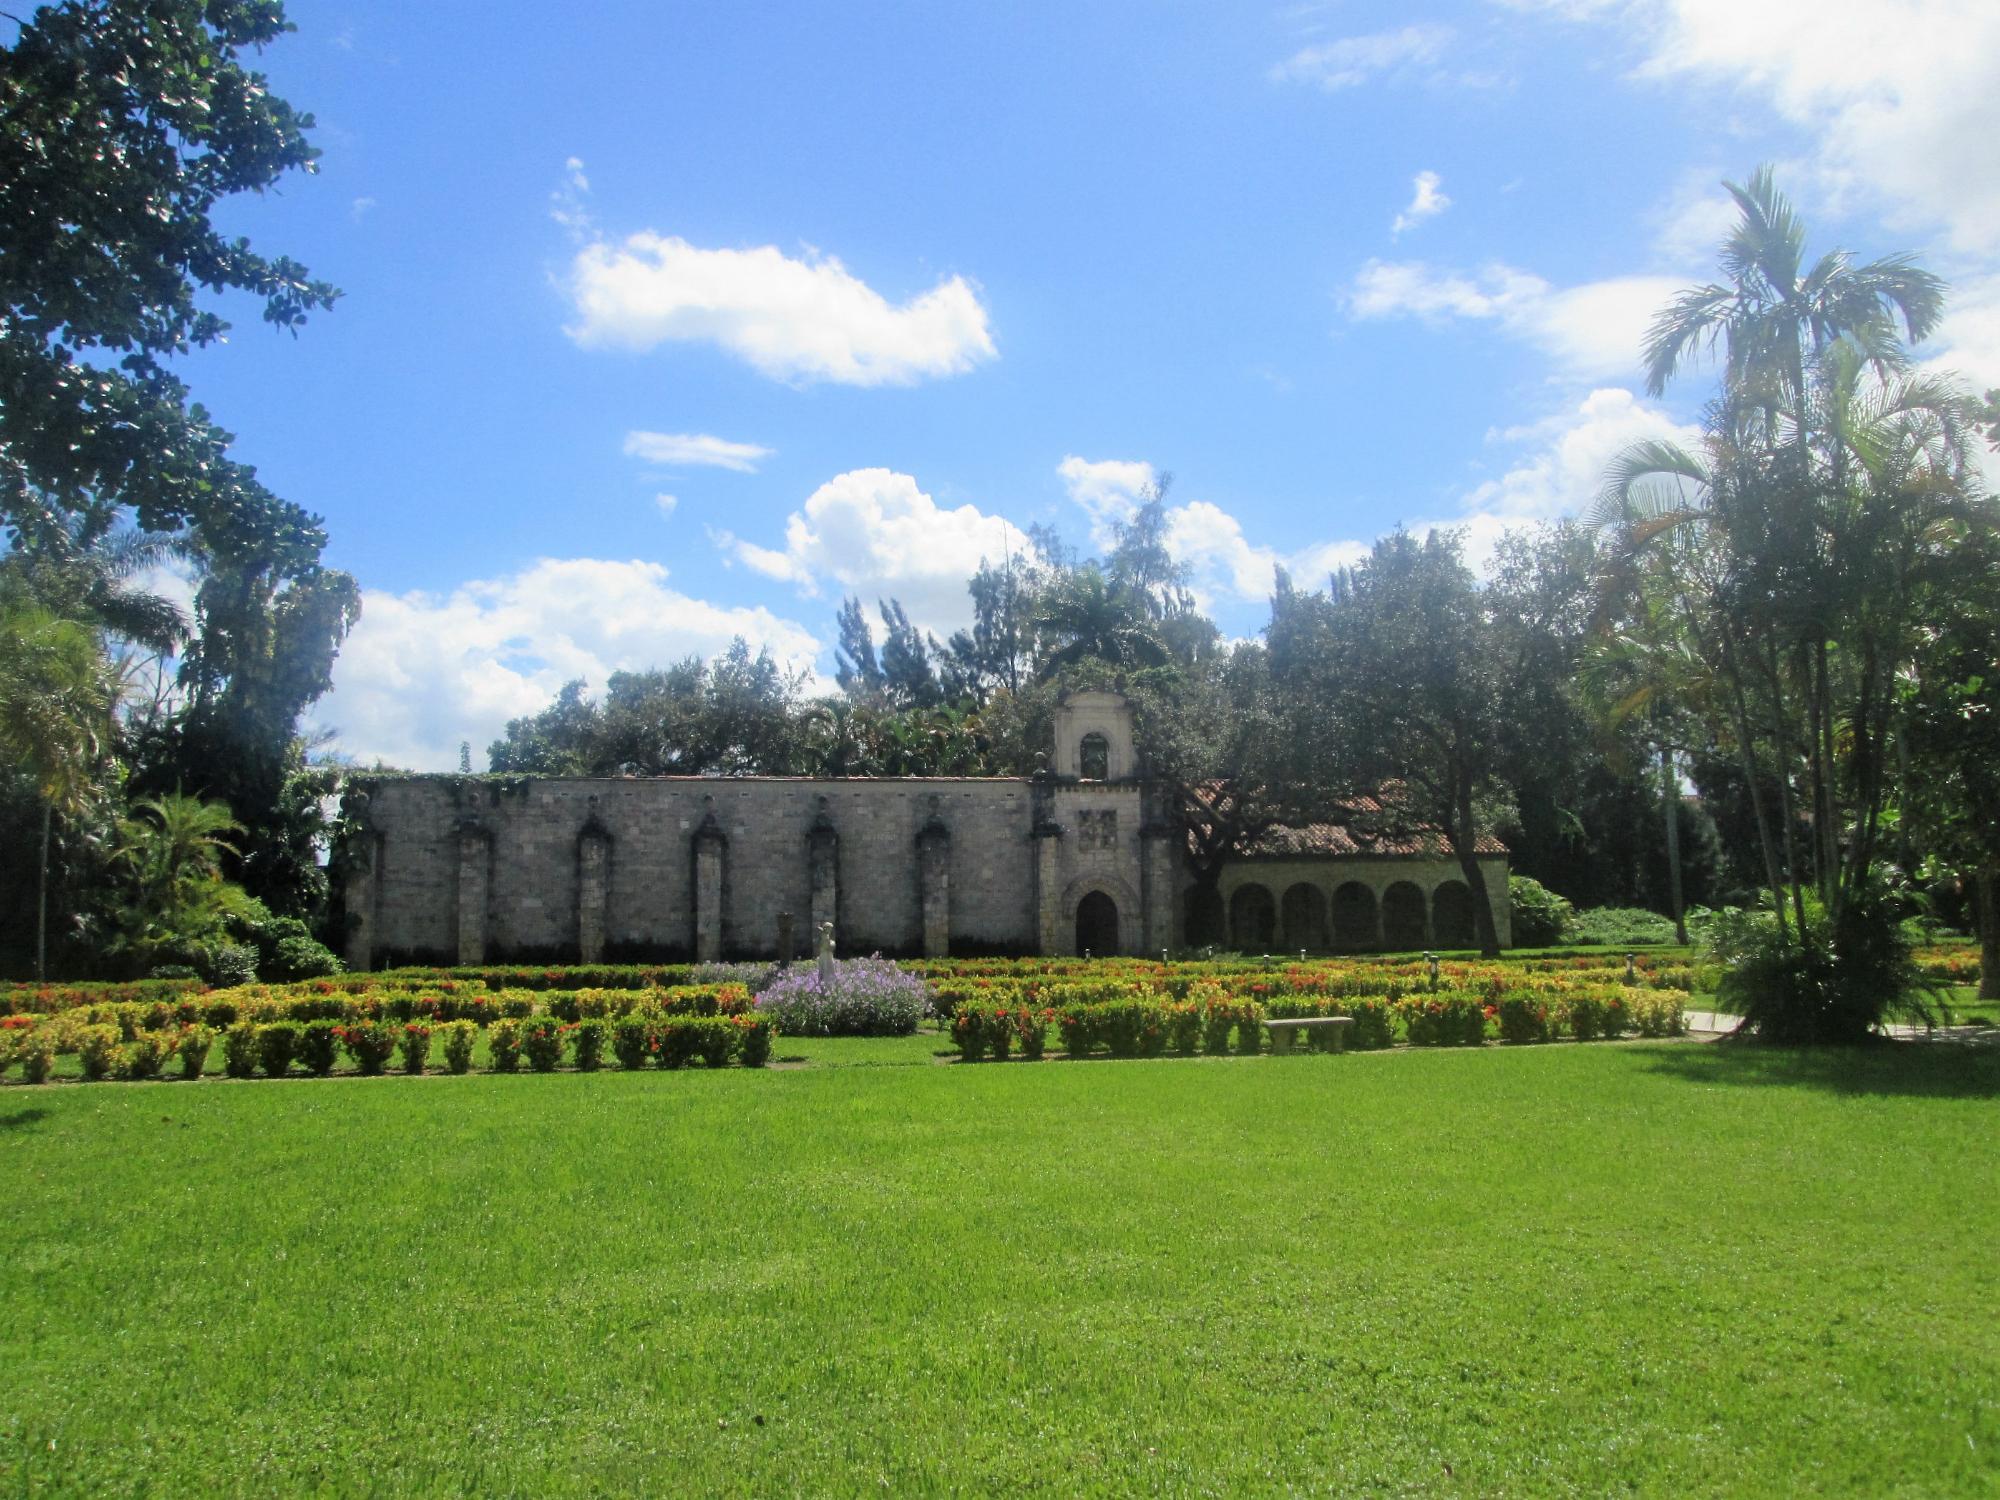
1375,832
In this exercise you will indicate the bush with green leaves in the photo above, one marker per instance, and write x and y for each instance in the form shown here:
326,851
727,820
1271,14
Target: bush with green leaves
1444,1019
1619,927
1541,917
319,1047
37,1055
457,1039
1822,985
370,1043
97,1050
753,1039
413,1041
543,1041
144,1056
503,1045
277,1045
586,1040
240,1050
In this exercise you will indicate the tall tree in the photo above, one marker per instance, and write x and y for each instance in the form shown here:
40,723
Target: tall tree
123,123
57,695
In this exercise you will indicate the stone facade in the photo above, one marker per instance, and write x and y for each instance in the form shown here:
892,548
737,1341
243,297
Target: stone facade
472,870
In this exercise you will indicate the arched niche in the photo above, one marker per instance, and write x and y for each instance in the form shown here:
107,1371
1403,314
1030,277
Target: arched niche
1097,924
1451,915
1303,917
1403,917
1253,920
1355,925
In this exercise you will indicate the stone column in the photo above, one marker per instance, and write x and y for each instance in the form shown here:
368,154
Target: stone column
593,893
934,883
823,871
1159,890
1055,935
360,881
710,850
475,863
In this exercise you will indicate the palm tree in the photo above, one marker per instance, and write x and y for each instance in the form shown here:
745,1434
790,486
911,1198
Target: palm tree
174,847
57,697
1091,617
1775,315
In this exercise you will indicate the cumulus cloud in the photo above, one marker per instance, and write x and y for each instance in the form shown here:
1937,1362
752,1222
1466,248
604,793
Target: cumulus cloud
1226,564
875,533
799,320
1592,330
421,671
666,503
1353,60
694,450
1110,490
1427,201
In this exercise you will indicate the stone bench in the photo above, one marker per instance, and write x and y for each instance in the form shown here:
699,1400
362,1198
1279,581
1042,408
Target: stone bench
1284,1033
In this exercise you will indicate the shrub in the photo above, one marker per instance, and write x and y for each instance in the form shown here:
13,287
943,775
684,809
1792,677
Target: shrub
370,1043
543,1040
1446,1019
1030,1025
227,964
414,1042
37,1053
1374,1021
715,1039
587,1043
677,1040
191,1046
144,1056
458,1038
240,1050
1541,917
632,1041
1216,1020
1184,1020
277,1045
969,1032
299,957
1660,1012
1619,927
868,997
319,1046
1523,1017
1821,985
97,1049
503,1045
753,1044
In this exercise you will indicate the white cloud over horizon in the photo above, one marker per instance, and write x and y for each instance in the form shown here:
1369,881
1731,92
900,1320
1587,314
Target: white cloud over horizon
1591,330
422,672
694,449
795,320
876,534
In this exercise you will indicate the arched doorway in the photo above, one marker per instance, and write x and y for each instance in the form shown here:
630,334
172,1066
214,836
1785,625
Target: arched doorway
1403,917
1204,927
1451,914
1097,925
1305,917
1253,920
1354,918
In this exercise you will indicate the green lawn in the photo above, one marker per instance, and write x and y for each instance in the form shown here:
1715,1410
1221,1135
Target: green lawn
1661,1268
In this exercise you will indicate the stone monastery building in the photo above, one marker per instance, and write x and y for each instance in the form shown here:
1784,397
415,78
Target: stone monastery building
1080,859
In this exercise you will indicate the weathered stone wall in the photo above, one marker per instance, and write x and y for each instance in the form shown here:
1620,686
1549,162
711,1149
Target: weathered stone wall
524,856
1326,875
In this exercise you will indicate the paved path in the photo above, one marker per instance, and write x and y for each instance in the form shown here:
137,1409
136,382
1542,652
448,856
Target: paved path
1710,1022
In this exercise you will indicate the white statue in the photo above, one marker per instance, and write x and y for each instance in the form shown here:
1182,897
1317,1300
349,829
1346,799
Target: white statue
826,954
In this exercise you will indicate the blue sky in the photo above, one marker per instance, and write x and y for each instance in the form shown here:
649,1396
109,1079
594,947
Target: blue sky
666,323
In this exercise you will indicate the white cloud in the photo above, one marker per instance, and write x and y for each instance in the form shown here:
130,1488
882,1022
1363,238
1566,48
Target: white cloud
567,203
1427,201
1351,61
1561,477
1897,96
666,503
1226,563
1110,490
796,320
874,533
421,672
694,449
360,208
1593,330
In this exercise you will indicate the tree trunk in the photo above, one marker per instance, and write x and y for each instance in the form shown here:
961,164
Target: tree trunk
1464,843
42,900
1989,933
1670,793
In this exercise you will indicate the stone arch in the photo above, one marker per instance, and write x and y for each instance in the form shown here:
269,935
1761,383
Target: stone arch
1094,758
1405,923
1125,907
1206,924
1354,918
1302,917
1097,924
1451,915
1253,920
